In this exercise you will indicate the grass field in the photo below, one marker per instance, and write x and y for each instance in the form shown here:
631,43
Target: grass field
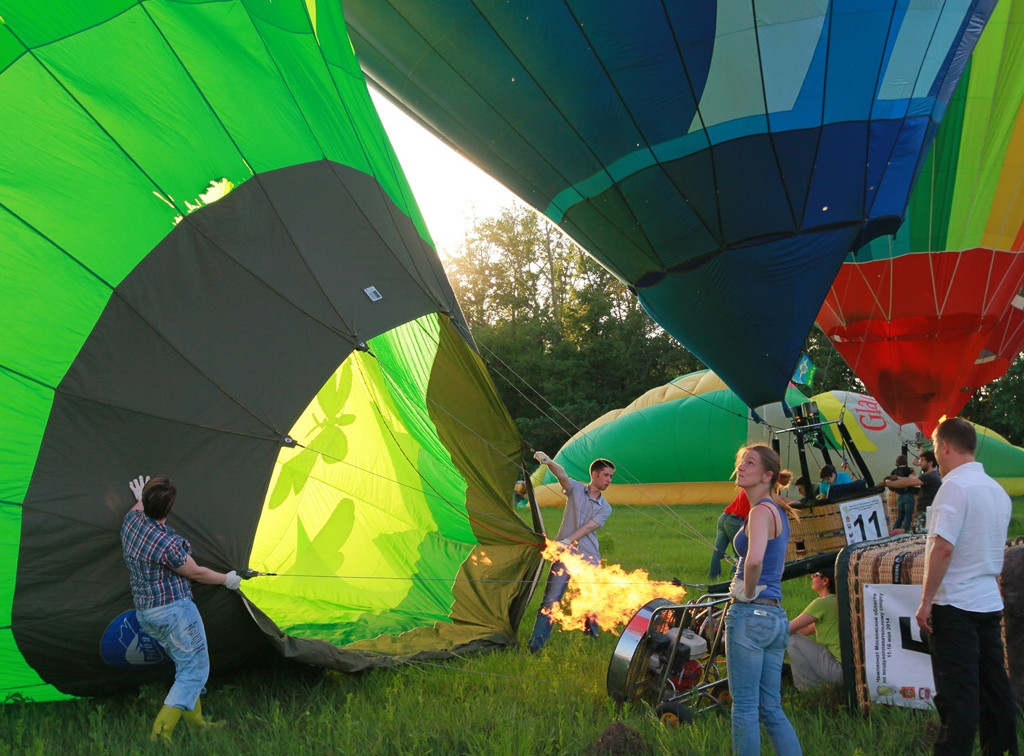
507,703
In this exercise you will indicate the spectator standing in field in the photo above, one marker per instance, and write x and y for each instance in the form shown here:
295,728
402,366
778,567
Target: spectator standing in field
961,605
927,483
757,629
905,497
729,523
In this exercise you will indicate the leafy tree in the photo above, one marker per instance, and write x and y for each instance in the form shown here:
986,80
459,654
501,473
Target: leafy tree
564,339
998,405
831,371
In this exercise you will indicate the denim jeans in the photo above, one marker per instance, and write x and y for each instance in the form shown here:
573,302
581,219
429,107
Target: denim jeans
973,692
178,628
755,643
904,511
726,529
558,583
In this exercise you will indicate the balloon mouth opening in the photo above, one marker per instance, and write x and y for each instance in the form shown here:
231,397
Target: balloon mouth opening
869,230
650,279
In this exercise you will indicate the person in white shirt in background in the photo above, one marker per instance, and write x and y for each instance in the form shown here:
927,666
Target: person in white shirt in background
961,606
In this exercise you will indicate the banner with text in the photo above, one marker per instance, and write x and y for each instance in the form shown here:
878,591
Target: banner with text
898,666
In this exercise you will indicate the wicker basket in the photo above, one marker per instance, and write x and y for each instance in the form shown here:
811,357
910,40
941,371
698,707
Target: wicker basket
894,561
818,531
891,562
892,505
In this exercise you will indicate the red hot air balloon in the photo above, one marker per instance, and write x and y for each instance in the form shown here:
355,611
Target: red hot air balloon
927,316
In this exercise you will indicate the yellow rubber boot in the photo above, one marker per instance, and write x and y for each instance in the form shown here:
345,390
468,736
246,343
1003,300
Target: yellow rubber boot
194,719
165,723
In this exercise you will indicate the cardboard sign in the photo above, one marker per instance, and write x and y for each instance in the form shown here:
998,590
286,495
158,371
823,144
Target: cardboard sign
897,663
864,519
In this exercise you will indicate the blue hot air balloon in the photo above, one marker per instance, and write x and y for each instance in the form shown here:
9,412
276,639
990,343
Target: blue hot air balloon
713,155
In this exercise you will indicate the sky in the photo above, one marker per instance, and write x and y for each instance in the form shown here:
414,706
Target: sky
450,190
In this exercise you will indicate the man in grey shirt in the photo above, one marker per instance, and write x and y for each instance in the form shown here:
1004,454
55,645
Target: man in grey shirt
586,510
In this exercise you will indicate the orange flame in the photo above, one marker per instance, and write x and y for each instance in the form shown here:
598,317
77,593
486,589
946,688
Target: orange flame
607,593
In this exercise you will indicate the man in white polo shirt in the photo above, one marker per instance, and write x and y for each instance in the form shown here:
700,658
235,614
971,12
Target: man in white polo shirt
961,605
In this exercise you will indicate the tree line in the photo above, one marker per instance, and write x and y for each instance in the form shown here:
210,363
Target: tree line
565,341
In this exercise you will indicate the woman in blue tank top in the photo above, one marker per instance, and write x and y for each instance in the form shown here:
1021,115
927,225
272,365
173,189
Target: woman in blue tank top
756,626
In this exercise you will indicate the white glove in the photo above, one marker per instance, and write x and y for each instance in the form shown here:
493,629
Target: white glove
737,592
232,581
137,484
542,457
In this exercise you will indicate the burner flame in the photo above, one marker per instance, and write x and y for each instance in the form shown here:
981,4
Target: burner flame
607,593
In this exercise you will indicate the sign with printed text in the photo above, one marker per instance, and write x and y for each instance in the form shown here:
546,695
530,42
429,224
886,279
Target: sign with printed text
897,664
864,519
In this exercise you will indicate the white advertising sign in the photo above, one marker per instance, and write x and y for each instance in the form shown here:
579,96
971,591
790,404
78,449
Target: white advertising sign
864,519
897,664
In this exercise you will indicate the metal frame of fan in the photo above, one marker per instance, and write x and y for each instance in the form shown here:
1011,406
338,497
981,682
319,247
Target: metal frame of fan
643,662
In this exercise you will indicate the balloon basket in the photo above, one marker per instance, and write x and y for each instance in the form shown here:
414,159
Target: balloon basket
896,561
818,531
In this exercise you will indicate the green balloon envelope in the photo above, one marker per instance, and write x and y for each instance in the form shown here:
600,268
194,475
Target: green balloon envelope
213,268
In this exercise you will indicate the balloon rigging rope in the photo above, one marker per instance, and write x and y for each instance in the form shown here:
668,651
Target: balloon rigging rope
512,370
690,530
694,533
430,494
447,580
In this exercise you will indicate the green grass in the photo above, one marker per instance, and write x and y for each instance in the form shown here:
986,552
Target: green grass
506,703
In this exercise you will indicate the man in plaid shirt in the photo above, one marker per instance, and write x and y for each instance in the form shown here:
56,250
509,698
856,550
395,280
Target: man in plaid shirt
160,569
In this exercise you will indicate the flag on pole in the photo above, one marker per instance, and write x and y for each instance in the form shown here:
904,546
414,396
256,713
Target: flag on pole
804,372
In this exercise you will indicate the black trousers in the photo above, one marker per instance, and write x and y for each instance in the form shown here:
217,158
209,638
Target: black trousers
973,693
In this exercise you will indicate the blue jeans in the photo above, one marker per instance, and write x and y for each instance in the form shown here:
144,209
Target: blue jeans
178,628
904,511
558,583
972,690
756,636
727,528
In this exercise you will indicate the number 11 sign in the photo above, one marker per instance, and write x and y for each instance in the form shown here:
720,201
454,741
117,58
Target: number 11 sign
864,519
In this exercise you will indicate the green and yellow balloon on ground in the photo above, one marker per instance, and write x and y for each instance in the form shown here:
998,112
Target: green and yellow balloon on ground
212,267
676,444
